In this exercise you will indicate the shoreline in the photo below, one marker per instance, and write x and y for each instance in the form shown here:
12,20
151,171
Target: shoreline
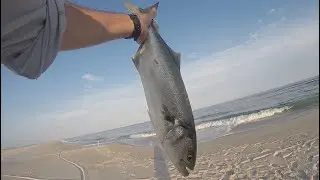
240,128
243,127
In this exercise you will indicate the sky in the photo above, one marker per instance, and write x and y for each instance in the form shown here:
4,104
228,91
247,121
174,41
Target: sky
229,49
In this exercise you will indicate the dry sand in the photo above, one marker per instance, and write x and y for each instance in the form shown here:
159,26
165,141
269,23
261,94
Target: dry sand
287,150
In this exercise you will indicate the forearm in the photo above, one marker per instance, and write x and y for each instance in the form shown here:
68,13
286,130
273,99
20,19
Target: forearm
87,27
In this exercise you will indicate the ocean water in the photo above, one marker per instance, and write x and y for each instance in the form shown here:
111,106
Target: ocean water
220,119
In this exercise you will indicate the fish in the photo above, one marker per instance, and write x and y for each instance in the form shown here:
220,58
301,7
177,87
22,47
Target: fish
169,107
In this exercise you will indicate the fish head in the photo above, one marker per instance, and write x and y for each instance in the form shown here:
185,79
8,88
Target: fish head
181,147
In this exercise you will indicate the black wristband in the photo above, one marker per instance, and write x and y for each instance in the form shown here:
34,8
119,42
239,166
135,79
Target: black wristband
137,27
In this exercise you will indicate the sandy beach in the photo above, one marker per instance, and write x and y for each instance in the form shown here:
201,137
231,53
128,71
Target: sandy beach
281,150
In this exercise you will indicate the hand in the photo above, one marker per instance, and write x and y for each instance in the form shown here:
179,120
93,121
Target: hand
145,21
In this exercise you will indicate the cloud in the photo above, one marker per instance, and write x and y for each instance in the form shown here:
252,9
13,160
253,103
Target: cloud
283,18
282,53
260,21
271,11
253,35
193,55
91,77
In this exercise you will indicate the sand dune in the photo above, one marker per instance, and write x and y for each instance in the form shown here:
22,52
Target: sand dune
287,150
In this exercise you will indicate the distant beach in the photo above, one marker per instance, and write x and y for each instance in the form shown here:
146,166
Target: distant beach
281,150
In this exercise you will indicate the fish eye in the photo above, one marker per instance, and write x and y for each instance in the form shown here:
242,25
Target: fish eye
189,157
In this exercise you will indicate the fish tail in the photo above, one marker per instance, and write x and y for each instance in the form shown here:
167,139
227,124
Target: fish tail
136,10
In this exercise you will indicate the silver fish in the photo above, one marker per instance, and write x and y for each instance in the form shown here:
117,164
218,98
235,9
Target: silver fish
167,99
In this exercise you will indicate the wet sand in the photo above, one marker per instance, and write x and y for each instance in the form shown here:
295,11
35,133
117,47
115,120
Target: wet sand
283,150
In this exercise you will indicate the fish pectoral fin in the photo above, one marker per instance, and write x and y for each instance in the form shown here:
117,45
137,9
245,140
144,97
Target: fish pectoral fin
167,115
177,57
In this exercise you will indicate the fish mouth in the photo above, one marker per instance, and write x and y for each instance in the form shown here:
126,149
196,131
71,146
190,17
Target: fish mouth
190,166
183,167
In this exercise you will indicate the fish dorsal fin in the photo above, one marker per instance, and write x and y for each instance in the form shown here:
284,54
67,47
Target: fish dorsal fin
160,163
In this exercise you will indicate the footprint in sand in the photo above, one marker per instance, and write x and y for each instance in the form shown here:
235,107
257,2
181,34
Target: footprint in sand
227,175
279,174
310,158
272,165
301,174
294,164
252,173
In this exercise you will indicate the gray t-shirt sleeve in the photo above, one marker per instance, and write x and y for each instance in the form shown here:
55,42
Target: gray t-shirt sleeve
31,34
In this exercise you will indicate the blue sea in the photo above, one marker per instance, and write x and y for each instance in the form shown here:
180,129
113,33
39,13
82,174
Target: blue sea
218,120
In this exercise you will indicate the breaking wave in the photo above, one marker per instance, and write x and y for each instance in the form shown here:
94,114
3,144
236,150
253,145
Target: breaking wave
234,121
142,135
231,122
